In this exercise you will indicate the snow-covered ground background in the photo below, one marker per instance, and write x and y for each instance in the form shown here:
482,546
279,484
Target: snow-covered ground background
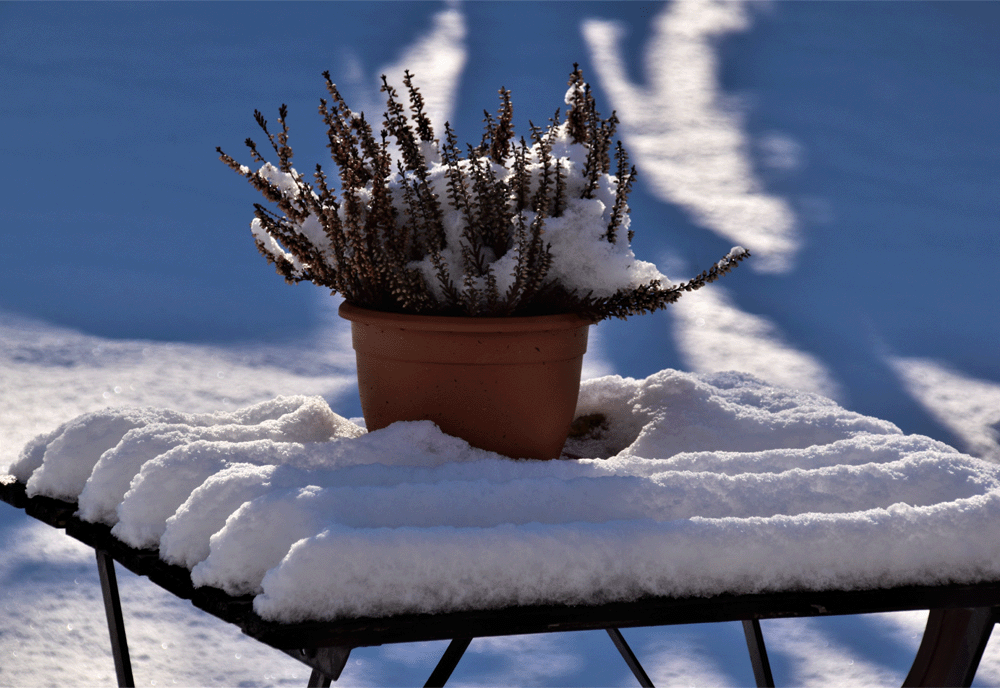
853,147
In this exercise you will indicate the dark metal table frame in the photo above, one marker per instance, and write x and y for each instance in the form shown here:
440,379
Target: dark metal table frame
958,628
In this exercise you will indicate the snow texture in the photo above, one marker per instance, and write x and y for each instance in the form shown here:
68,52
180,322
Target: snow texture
694,485
285,419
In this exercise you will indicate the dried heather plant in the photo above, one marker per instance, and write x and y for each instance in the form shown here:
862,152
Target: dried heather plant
410,224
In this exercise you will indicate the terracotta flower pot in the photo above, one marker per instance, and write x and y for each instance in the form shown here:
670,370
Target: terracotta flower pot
509,385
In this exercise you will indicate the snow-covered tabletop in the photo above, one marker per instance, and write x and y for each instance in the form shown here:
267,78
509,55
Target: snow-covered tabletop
696,485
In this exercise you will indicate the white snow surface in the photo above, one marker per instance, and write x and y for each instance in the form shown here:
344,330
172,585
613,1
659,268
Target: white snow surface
696,485
285,419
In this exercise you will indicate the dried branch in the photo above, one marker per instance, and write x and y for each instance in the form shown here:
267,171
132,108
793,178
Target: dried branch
376,233
625,180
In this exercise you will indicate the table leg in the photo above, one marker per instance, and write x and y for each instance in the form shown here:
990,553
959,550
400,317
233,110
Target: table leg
327,663
633,663
449,660
317,679
116,624
758,653
952,646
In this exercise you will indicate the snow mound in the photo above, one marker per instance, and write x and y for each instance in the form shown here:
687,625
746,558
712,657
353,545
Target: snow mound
285,419
691,485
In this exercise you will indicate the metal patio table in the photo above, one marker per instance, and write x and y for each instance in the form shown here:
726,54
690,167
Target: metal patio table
958,628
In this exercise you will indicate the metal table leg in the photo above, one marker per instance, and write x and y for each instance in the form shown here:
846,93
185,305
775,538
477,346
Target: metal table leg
448,662
952,646
327,663
116,624
317,679
758,653
633,663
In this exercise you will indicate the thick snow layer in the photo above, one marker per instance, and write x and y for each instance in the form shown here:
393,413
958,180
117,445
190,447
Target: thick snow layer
693,485
286,419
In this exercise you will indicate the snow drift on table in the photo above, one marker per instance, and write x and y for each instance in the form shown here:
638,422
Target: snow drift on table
695,485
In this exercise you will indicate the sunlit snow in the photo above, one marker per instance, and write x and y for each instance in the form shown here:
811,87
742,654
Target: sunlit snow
882,145
698,485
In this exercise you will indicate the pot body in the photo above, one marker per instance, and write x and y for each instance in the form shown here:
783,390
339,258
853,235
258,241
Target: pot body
509,385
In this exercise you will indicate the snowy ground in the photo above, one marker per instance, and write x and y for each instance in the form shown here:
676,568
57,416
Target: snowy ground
851,147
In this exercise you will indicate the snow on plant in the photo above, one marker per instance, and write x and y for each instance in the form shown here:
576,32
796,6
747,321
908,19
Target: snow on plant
524,229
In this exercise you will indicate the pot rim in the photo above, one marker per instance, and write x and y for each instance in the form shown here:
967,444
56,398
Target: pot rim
443,323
